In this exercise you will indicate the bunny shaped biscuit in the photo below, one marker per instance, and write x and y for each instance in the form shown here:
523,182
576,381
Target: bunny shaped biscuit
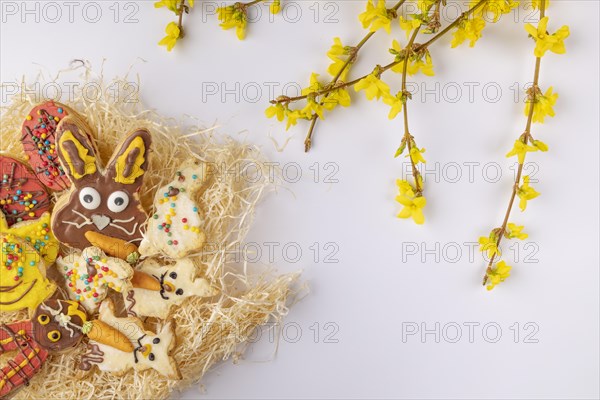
175,229
177,282
104,201
150,350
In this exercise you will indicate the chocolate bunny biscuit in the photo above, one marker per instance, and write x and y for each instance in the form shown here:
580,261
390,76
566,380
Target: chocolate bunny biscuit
100,200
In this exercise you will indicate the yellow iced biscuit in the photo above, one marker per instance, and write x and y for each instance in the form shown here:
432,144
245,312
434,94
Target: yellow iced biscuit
23,282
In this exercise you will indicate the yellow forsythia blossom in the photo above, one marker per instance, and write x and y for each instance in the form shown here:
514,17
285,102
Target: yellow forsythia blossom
541,146
313,107
525,193
337,97
396,102
337,49
472,28
409,25
276,110
515,231
335,52
543,106
468,30
373,87
416,155
425,66
171,5
416,63
497,7
233,17
498,274
376,17
545,41
275,7
489,244
520,150
314,85
173,33
292,117
413,207
405,188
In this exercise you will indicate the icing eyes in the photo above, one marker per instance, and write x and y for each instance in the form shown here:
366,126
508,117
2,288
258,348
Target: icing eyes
43,319
173,275
156,341
54,336
89,198
118,201
179,292
151,357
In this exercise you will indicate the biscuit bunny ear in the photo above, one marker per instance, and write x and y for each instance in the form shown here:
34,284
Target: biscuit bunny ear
130,161
76,151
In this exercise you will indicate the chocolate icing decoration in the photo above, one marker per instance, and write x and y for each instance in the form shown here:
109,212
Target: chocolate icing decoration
77,162
91,268
17,370
15,338
94,355
130,161
163,287
26,132
11,365
131,300
9,288
6,303
139,348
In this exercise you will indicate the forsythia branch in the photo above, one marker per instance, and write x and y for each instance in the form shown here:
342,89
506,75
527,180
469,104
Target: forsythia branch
351,59
419,48
538,106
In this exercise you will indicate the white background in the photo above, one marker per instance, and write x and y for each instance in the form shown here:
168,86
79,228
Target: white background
378,288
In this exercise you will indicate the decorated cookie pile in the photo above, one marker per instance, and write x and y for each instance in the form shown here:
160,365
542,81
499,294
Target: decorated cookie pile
99,221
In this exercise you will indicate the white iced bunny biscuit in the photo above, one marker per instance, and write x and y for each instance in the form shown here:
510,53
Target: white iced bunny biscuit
150,350
90,273
177,282
175,228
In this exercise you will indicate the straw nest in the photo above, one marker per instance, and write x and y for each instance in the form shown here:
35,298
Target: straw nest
210,331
